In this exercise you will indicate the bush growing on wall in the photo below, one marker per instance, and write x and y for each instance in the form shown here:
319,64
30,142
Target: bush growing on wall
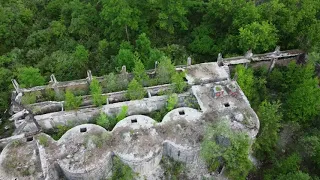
178,82
135,90
223,147
123,113
96,93
72,101
172,101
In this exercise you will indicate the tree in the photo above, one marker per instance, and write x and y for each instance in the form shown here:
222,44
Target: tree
123,17
125,57
178,82
223,147
71,101
165,71
139,72
245,80
135,90
96,93
301,99
259,37
267,138
172,14
29,77
143,47
110,83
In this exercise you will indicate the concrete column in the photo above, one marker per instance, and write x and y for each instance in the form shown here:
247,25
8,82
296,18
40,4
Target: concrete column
15,85
277,50
248,54
124,69
155,65
53,79
149,94
220,59
272,64
189,61
89,76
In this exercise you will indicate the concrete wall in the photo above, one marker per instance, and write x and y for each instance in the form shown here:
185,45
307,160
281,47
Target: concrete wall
96,172
180,153
144,166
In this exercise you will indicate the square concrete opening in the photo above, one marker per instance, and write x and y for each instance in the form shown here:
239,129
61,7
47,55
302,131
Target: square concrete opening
182,112
226,105
29,139
134,120
83,130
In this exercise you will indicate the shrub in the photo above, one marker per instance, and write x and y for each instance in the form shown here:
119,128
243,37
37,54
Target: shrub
71,101
30,98
121,171
29,77
172,101
135,90
172,169
43,140
178,82
223,147
123,113
96,93
103,120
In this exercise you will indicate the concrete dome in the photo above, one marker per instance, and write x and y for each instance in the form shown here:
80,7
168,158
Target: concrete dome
136,122
186,113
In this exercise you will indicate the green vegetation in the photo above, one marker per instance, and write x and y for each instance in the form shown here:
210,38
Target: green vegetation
29,77
267,138
96,93
108,122
39,38
289,134
43,140
135,90
72,101
178,82
172,169
123,113
172,102
121,171
223,147
30,98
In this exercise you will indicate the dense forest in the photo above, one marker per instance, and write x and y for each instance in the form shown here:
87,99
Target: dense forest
68,37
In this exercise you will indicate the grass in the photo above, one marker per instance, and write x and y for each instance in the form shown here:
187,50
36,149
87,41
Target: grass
43,140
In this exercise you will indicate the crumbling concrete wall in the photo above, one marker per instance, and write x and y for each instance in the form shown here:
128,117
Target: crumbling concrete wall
181,153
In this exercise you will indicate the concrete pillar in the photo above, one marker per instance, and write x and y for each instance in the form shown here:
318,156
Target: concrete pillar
272,64
107,100
220,59
89,76
155,65
15,85
277,50
124,69
149,94
248,54
61,103
189,61
53,79
18,98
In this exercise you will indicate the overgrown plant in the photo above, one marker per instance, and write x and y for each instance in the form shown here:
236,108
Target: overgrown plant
178,82
172,102
135,90
123,113
96,93
121,171
30,98
223,147
72,101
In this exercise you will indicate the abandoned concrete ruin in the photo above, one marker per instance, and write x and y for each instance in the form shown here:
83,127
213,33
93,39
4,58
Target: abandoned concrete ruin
86,151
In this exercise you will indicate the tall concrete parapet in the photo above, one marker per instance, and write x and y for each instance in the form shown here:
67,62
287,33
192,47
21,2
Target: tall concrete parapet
85,152
140,145
183,131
